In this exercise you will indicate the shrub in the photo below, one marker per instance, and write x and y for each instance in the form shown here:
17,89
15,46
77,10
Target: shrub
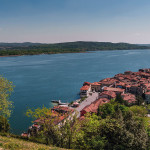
4,125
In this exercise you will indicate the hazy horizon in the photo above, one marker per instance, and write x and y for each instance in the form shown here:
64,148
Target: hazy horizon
55,21
69,42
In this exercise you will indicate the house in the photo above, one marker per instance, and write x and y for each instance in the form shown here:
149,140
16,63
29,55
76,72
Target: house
108,82
84,90
96,87
57,116
128,72
130,98
93,107
108,94
116,90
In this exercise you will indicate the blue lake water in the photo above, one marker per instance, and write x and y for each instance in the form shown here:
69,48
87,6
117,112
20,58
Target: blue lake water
39,79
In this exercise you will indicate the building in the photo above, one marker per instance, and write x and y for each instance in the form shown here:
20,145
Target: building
57,116
84,90
93,107
108,94
116,90
96,87
130,98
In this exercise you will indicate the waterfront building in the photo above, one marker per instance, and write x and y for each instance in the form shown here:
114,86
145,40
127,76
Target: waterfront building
84,90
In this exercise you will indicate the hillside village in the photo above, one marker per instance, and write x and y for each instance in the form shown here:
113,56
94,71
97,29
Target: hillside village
128,85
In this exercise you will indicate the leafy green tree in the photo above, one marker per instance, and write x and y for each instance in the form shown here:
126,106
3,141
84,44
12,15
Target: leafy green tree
49,130
88,135
6,87
124,132
139,110
4,125
119,99
105,110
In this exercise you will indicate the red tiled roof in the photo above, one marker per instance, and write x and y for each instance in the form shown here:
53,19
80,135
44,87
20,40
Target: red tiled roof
85,88
96,83
129,97
24,134
113,89
56,116
110,93
147,93
94,106
120,83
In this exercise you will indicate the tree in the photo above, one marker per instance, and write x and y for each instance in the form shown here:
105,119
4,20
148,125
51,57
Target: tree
87,135
119,99
49,131
4,125
6,88
124,132
139,100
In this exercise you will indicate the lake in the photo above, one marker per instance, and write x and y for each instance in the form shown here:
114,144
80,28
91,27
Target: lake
39,79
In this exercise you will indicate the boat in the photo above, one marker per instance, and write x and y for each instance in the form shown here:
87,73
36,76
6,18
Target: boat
63,103
55,101
59,102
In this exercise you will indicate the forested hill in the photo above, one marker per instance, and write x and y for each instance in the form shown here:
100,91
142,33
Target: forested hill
68,47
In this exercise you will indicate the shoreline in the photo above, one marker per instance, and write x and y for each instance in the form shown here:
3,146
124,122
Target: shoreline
11,55
67,52
41,54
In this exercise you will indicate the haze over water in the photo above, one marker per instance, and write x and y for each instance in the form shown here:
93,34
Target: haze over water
42,78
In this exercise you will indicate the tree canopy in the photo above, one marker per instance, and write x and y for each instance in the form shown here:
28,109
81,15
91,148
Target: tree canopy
6,88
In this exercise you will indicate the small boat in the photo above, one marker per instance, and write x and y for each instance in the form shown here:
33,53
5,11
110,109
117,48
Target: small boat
63,103
55,101
59,102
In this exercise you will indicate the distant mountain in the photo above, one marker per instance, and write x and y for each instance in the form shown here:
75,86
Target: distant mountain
25,44
144,45
28,48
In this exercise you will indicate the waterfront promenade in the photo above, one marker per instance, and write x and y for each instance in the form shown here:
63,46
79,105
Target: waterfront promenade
90,99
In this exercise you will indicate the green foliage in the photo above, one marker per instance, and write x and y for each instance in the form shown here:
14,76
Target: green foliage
82,99
6,87
116,127
139,110
4,125
38,112
109,109
50,131
88,136
119,99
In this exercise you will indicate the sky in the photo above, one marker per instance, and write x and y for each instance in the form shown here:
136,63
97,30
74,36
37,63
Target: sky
54,21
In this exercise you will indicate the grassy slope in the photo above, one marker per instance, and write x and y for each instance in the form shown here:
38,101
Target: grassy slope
19,144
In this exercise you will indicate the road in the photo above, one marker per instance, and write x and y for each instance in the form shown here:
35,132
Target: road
87,102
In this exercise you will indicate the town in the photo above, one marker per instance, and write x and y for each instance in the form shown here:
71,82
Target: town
128,84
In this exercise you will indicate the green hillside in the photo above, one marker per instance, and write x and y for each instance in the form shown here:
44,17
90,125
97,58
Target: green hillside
19,144
68,47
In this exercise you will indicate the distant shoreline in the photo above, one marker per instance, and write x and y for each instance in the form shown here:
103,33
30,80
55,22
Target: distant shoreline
19,49
66,52
41,54
11,55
